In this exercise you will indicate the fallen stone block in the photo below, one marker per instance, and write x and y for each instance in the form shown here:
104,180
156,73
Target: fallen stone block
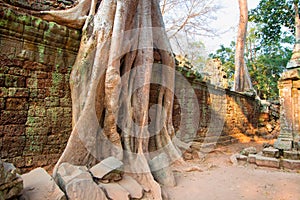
81,189
267,162
249,150
67,172
291,164
38,184
132,186
106,166
115,191
241,157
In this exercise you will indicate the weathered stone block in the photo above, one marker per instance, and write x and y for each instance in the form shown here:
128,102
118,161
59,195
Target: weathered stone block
271,152
132,186
267,162
252,158
249,150
2,80
283,144
115,191
17,104
84,189
15,81
293,155
242,157
105,167
12,130
38,184
18,92
3,92
291,164
67,172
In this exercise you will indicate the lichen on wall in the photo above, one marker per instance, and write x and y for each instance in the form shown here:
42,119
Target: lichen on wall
36,58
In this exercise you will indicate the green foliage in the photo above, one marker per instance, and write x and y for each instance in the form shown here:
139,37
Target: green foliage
276,18
265,62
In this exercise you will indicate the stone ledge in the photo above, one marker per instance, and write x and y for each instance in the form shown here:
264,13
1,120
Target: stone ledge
267,162
291,164
33,29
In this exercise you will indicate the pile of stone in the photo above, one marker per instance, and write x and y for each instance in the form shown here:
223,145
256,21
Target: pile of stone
269,157
103,181
11,184
269,125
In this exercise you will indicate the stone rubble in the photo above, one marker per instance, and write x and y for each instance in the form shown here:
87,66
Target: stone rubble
79,182
269,157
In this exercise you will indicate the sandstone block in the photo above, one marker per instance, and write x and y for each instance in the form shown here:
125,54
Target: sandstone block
67,172
115,191
252,158
132,186
283,144
267,162
81,189
38,184
291,164
292,155
105,167
271,152
249,150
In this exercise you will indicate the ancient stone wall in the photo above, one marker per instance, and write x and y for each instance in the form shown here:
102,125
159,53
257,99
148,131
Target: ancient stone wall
224,116
36,58
35,105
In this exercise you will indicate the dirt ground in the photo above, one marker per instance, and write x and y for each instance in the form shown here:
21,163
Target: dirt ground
218,179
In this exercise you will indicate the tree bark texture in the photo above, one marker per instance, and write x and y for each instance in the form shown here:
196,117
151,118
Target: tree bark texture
242,81
110,86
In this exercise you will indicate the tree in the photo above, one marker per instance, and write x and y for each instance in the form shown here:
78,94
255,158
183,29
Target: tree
186,21
242,81
265,62
279,18
189,16
275,17
110,86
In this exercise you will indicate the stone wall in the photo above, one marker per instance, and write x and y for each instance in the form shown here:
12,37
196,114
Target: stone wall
36,58
224,116
35,105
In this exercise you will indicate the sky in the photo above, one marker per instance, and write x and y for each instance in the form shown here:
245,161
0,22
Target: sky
227,22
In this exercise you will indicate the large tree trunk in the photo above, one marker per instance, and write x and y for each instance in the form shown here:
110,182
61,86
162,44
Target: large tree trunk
242,81
110,86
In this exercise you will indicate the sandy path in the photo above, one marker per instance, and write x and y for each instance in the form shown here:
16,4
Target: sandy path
222,181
